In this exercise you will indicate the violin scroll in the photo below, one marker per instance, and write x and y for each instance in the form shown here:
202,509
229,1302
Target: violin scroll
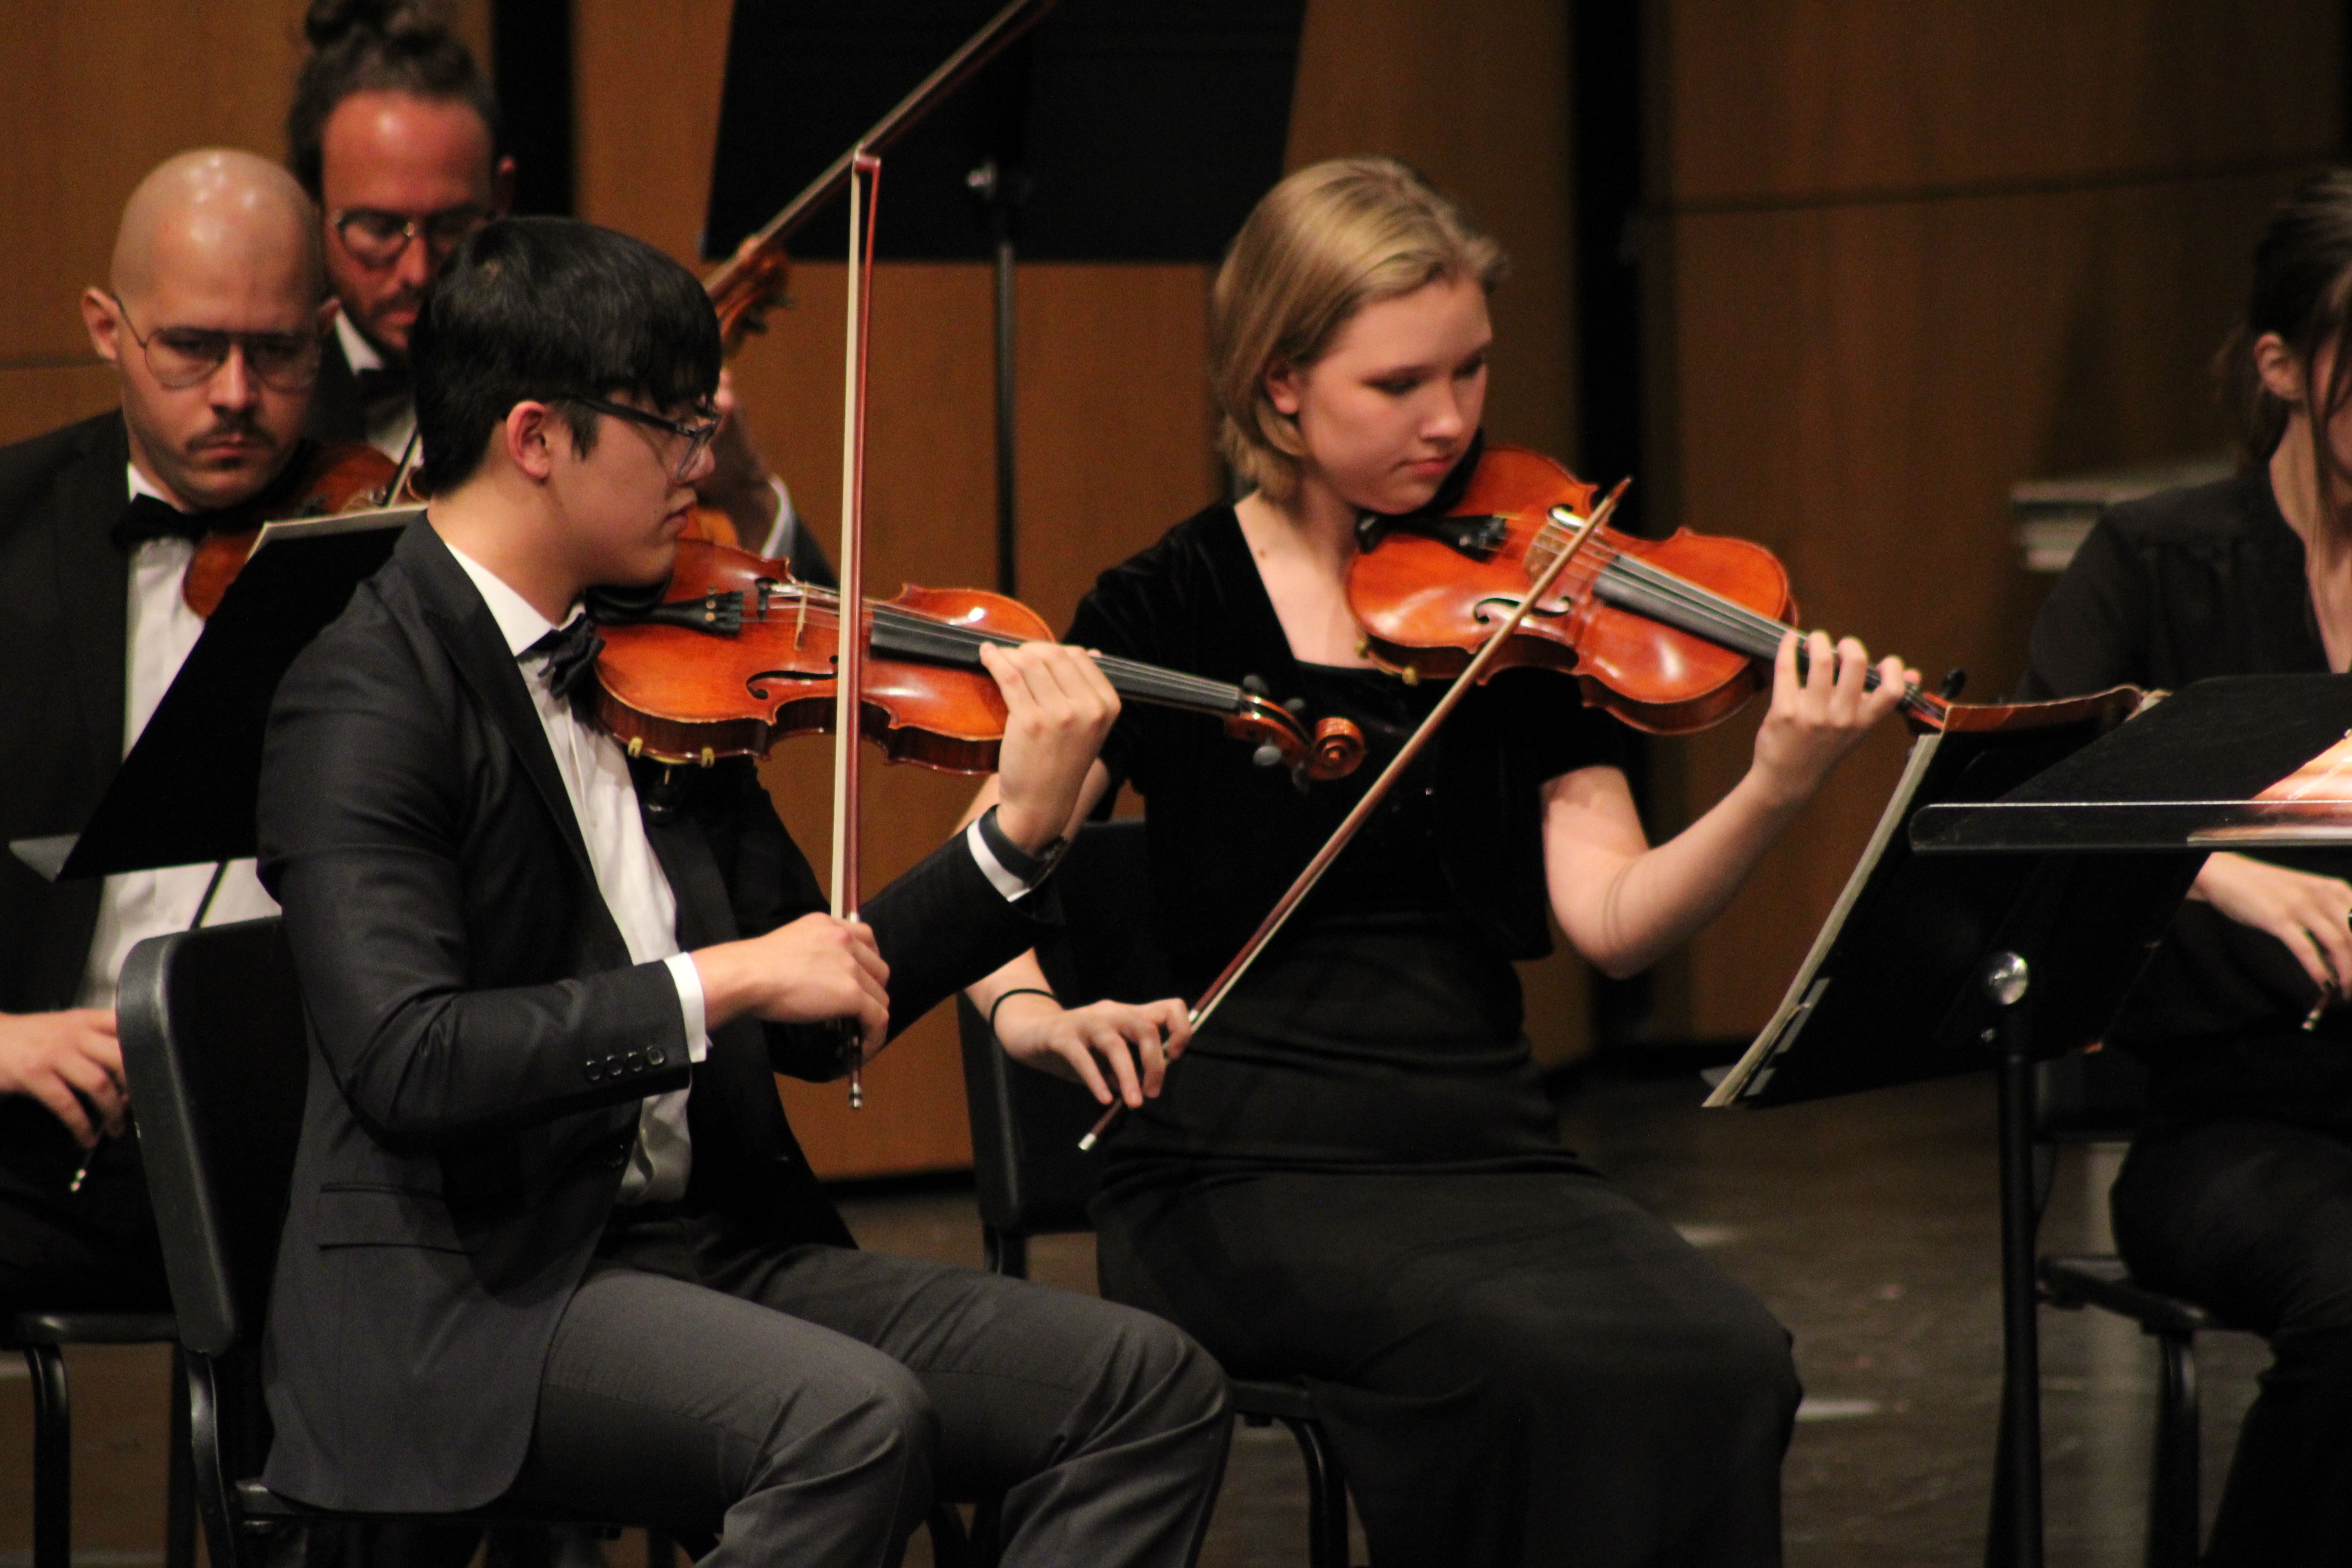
753,282
1331,750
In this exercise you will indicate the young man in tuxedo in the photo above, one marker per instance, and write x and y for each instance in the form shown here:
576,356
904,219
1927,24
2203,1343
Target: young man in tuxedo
549,1236
211,317
395,131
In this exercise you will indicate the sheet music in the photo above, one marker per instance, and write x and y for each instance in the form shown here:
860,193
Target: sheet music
1803,992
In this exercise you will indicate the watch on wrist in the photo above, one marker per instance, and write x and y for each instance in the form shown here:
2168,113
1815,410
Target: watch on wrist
1031,868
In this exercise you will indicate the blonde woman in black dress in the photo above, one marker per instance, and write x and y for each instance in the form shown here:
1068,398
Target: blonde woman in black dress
1355,1174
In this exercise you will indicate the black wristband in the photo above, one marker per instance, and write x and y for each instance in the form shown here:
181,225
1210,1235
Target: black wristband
1007,996
1031,869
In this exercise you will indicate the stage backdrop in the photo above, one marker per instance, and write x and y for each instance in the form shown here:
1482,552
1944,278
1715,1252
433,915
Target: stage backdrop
1898,257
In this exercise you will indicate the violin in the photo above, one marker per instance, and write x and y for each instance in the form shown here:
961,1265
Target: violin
1672,635
732,655
337,477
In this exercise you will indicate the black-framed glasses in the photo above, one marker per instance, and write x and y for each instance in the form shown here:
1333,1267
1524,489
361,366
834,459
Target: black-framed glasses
698,436
376,238
181,357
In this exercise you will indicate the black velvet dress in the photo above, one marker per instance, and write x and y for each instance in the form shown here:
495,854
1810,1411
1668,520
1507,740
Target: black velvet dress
1354,1173
2237,1192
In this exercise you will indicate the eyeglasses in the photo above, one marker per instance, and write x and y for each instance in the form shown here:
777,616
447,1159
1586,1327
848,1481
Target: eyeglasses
376,238
180,357
697,436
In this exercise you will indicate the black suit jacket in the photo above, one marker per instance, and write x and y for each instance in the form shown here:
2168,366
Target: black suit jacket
481,1040
64,595
64,614
335,411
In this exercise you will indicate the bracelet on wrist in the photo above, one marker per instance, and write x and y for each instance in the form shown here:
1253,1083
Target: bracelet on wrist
1007,996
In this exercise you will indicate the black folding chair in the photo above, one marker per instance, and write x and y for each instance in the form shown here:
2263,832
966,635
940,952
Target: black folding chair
42,1337
1032,1181
213,1037
2099,1097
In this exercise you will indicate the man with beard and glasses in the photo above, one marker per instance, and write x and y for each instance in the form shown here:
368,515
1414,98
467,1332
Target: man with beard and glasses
395,131
213,316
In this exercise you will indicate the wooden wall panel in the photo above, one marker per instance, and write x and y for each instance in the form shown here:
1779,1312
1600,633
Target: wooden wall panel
37,397
1875,378
1807,98
1475,97
92,95
1899,259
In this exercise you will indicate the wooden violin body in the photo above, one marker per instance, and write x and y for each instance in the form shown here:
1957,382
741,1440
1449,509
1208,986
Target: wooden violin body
339,476
733,655
1672,635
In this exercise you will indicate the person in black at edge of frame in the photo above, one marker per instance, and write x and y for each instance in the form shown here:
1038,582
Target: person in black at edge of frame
549,1237
395,131
211,317
1355,1173
2238,1191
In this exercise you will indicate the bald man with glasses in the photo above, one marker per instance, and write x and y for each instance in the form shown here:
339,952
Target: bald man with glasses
213,317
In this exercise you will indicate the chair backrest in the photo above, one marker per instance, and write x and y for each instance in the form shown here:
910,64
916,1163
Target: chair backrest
1026,1124
213,1040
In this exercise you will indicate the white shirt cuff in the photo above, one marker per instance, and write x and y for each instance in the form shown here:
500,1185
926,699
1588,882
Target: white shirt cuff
688,980
1002,881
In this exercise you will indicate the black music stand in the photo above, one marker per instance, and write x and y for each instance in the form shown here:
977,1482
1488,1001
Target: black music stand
2014,889
1112,132
184,795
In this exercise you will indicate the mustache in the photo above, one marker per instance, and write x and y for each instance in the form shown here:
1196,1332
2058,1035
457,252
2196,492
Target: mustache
406,299
236,426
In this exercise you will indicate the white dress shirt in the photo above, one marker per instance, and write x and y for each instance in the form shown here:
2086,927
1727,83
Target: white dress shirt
136,905
636,891
390,421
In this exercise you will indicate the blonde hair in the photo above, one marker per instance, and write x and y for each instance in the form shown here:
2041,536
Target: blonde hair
1328,241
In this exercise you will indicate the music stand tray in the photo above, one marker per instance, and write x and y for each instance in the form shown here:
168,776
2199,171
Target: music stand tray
185,794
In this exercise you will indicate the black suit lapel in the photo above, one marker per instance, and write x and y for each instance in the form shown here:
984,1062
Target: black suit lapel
94,580
455,611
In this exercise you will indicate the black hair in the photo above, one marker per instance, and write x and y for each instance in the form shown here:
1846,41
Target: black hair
2303,285
533,308
378,45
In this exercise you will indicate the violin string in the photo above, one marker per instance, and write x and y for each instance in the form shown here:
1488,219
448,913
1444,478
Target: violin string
908,632
1707,613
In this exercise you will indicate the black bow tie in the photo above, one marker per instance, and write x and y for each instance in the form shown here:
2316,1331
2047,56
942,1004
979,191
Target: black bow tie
381,384
150,518
570,654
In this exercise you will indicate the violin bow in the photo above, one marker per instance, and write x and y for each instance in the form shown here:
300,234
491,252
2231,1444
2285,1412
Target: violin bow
747,282
1222,986
849,659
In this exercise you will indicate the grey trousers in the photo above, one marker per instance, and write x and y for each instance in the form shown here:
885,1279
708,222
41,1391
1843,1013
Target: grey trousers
808,1404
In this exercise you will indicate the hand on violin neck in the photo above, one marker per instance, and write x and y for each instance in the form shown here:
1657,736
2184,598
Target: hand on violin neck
813,970
1816,718
1058,707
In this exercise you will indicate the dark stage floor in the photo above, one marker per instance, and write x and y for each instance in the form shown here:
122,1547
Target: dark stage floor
1868,1225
